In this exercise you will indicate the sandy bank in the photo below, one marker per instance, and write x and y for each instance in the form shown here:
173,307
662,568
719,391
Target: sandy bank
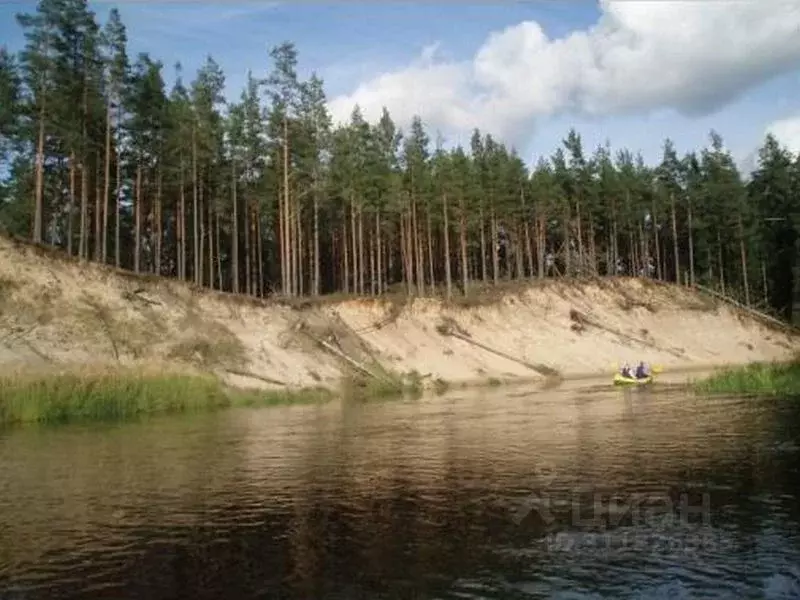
55,311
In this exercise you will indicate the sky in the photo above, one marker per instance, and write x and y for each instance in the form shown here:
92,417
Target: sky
626,72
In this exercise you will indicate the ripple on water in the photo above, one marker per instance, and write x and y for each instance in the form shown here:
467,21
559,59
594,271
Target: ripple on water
424,499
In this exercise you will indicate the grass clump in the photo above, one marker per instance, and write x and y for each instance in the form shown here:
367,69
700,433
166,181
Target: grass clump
260,398
71,397
767,379
120,395
384,385
440,386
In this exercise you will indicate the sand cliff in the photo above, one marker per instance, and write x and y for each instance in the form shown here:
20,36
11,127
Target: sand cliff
56,311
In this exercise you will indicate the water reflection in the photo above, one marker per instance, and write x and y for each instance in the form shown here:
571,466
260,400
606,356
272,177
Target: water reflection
430,498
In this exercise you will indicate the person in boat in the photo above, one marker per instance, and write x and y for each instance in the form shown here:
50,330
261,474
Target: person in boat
642,372
625,371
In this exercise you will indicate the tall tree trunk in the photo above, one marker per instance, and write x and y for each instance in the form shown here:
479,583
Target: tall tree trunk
710,261
286,207
418,248
118,190
691,243
446,227
71,205
526,231
219,254
106,182
529,248
404,258
581,261
234,232
299,254
149,225
656,241
345,258
721,263
354,242
373,279
676,256
567,248
541,243
201,252
462,225
594,268
411,268
137,235
83,250
252,255
315,290
39,186
614,235
429,245
197,272
743,254
388,256
98,207
378,241
181,224
633,258
361,261
82,238
481,223
210,211
282,236
260,251
644,256
247,264
157,225
495,246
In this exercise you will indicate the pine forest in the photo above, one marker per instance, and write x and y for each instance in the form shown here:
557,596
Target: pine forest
265,196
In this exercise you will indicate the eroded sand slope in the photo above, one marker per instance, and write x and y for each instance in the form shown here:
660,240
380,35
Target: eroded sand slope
55,311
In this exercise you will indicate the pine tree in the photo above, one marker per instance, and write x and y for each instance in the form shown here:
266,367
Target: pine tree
773,190
115,64
314,131
206,98
39,63
284,91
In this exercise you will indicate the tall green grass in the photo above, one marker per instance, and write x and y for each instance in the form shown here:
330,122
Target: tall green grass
773,379
123,396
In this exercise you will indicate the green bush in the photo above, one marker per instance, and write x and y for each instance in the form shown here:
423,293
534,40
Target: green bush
777,379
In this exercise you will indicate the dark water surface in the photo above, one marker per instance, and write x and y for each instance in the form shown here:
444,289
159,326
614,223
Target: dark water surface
563,494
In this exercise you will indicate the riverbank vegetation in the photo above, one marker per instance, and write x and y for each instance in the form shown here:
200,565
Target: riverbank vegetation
382,384
776,379
264,195
122,395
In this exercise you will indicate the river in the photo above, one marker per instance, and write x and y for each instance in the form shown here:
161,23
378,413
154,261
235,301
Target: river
509,493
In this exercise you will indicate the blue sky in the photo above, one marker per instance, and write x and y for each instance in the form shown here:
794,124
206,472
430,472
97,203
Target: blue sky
632,73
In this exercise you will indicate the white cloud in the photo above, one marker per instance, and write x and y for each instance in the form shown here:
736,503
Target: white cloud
640,55
787,132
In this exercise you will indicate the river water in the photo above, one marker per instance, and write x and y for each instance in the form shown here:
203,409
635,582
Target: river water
495,494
